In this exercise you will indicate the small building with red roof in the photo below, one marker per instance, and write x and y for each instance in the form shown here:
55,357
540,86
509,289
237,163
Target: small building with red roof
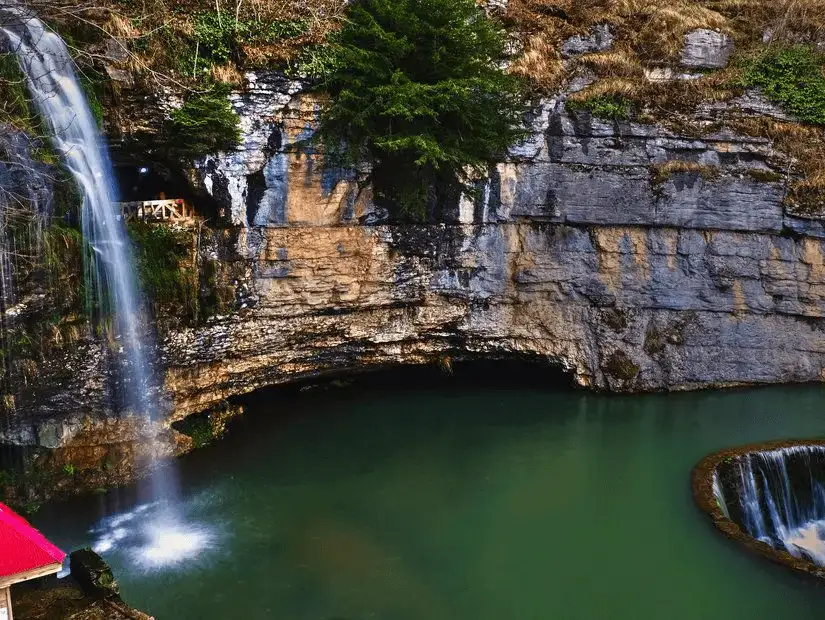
24,554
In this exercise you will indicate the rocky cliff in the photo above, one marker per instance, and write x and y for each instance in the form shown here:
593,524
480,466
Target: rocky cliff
632,256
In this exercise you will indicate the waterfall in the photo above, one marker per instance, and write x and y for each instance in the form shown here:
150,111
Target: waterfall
48,67
59,98
778,497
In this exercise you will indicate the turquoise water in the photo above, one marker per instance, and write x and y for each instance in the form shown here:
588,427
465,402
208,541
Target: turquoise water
461,501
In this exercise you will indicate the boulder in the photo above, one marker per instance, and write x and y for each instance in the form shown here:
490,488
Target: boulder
706,49
601,38
93,575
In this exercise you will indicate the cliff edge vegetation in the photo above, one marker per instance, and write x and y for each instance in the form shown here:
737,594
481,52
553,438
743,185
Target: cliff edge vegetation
641,60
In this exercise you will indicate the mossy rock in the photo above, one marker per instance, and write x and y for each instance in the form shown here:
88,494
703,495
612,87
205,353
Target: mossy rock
94,575
621,367
615,318
765,176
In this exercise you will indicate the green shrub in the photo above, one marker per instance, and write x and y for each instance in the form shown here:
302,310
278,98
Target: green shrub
608,107
220,36
206,123
417,93
216,36
14,97
315,61
792,77
160,254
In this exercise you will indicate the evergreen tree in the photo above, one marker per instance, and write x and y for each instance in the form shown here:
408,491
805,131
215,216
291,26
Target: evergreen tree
418,93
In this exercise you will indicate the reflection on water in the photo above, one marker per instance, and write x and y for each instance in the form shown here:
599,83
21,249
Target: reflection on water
457,502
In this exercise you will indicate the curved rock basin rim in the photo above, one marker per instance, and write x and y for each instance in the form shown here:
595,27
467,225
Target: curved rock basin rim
702,478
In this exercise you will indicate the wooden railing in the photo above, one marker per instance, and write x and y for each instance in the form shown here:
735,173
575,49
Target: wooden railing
174,211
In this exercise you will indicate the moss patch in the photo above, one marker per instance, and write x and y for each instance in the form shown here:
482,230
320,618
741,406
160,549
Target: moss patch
765,176
607,107
14,98
792,77
621,367
164,266
205,428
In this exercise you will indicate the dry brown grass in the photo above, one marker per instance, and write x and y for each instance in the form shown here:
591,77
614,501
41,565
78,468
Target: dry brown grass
807,196
609,87
617,63
541,63
159,33
651,33
27,369
660,173
227,74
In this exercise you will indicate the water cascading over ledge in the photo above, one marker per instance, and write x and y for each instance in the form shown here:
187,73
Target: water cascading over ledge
110,279
771,498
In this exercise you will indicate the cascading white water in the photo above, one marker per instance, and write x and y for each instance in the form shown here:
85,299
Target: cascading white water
59,98
780,498
110,278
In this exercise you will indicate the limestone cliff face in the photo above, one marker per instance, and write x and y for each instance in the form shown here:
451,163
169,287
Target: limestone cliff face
631,256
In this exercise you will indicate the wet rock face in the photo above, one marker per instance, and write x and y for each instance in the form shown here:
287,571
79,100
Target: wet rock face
22,177
706,49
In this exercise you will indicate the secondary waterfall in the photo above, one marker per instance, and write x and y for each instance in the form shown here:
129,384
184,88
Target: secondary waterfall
110,278
778,497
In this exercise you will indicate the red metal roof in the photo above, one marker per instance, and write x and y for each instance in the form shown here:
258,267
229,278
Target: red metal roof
23,548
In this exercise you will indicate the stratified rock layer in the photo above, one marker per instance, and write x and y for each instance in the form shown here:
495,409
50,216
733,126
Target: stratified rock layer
706,49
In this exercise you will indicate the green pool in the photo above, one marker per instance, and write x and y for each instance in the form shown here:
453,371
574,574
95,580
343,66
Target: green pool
458,500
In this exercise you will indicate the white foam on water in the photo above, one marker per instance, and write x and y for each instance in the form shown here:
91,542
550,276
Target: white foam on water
154,536
173,543
808,539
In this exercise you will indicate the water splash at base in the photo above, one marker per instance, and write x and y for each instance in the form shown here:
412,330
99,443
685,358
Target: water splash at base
154,536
